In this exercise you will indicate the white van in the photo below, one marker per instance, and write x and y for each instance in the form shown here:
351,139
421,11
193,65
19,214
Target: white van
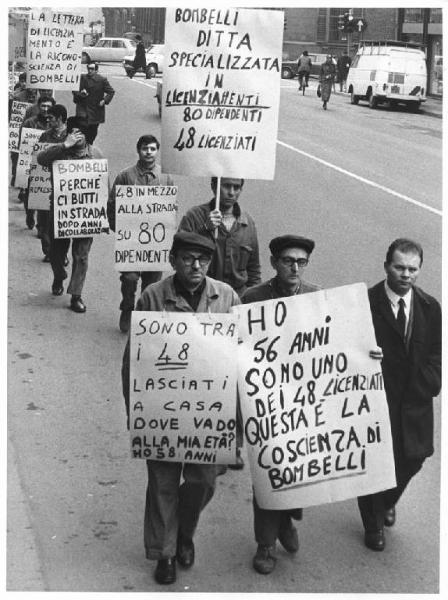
388,71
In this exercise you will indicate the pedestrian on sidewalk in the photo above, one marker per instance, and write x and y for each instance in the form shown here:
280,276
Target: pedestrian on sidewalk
343,66
408,328
326,80
74,147
145,172
172,509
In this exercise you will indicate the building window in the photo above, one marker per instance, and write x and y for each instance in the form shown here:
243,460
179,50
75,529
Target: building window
435,15
413,15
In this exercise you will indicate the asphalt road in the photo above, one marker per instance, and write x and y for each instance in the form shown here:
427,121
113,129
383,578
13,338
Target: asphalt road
351,178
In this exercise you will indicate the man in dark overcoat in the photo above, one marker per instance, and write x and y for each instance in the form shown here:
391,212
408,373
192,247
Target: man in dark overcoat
407,324
94,93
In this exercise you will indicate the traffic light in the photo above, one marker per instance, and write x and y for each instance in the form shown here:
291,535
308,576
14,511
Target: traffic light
341,22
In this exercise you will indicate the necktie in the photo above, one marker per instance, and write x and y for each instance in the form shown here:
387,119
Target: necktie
401,318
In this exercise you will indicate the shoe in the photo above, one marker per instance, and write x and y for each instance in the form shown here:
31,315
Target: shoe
389,517
57,289
300,88
66,261
77,305
264,560
46,259
185,552
325,106
125,320
165,571
288,537
375,540
239,461
29,220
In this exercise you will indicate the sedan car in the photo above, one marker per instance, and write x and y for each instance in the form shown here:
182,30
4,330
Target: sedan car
108,49
289,66
154,62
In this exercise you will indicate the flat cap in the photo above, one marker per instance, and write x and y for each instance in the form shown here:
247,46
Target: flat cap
290,241
190,239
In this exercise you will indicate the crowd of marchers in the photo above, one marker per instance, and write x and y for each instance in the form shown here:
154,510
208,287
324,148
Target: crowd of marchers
216,265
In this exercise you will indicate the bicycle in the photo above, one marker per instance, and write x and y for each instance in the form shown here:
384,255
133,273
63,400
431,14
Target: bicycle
303,75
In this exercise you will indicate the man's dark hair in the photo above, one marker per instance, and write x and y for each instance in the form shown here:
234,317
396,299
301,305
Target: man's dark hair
404,245
58,110
305,53
76,123
214,182
147,139
46,98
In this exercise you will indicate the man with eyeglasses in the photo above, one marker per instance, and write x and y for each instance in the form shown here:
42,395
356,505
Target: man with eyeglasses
236,260
172,511
289,257
95,92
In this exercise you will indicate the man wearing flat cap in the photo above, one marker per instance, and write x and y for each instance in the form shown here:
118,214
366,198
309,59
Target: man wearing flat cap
73,147
289,258
172,511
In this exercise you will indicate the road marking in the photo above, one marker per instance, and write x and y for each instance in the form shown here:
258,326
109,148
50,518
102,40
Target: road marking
362,179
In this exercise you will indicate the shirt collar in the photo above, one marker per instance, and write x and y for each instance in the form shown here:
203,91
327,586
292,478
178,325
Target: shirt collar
394,298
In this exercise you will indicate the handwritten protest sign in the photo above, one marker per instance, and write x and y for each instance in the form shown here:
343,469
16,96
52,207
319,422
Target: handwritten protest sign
28,138
17,37
80,197
18,110
39,183
315,412
54,49
221,91
183,386
145,223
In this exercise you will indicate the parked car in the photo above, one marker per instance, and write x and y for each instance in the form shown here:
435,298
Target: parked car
289,65
154,62
388,71
108,49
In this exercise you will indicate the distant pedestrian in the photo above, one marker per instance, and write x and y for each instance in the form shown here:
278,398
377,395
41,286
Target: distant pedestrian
343,66
304,69
140,56
145,172
408,329
74,147
326,79
95,92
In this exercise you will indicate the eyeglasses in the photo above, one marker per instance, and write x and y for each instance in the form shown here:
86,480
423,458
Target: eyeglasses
189,259
288,261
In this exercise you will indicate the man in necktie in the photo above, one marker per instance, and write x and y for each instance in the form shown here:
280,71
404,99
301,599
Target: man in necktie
407,324
145,172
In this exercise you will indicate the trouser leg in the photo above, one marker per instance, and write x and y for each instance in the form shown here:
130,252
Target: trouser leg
161,510
371,508
43,223
80,254
194,494
58,252
150,277
404,472
129,281
92,132
14,161
239,429
266,524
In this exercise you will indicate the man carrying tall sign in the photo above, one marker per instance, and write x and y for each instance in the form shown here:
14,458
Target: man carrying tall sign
144,172
74,147
172,511
408,328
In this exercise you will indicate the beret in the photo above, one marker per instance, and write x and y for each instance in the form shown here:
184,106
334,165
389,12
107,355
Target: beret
190,239
290,241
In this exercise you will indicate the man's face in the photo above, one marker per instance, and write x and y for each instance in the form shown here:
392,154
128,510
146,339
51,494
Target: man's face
191,266
402,271
289,266
230,192
148,153
90,70
44,107
54,122
82,138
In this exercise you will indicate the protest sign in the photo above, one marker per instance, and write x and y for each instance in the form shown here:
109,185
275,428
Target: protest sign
39,183
315,414
221,91
183,386
54,49
17,37
18,110
145,223
28,138
80,197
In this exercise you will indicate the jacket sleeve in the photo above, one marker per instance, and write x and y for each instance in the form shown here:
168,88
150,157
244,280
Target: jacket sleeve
253,264
48,156
428,378
111,203
195,222
108,91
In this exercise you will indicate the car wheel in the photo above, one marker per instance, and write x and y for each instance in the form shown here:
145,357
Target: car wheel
85,58
414,106
287,73
373,101
151,71
354,99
